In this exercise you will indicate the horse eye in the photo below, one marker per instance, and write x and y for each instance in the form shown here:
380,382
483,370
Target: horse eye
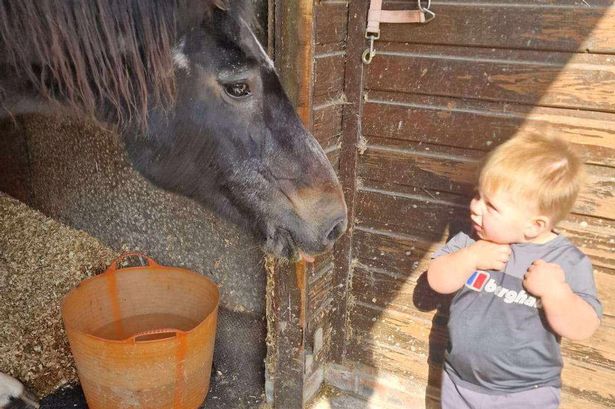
237,89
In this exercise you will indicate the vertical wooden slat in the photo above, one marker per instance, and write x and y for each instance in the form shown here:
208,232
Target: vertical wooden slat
351,133
294,51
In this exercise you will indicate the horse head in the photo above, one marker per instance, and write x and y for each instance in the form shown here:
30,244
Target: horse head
234,142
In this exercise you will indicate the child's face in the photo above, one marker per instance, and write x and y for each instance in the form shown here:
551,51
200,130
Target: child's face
501,218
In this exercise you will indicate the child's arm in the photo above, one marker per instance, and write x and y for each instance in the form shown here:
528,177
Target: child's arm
568,314
447,274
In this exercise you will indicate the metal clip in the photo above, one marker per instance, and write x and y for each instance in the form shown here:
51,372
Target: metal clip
370,52
429,15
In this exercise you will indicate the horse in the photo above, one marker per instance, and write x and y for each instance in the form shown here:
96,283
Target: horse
196,100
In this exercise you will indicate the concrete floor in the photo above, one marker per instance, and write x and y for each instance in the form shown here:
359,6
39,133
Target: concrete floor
332,398
222,395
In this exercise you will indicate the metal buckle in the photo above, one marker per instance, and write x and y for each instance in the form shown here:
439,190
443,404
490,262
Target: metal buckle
370,52
430,15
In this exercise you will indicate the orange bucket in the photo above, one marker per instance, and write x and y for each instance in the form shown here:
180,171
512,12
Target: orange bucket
143,337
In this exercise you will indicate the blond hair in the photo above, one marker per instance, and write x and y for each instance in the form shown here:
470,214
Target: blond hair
541,169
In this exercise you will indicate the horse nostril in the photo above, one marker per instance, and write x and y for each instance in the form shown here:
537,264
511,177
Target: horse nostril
337,230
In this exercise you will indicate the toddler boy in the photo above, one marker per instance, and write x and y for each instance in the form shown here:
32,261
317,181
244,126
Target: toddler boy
519,285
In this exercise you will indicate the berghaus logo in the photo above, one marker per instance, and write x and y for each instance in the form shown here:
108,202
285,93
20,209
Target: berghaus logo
481,281
477,280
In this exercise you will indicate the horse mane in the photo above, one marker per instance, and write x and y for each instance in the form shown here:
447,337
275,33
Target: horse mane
115,54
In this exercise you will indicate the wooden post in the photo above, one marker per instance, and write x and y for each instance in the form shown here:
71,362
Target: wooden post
351,133
287,284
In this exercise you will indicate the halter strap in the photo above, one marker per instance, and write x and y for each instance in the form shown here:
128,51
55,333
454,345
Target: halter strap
376,16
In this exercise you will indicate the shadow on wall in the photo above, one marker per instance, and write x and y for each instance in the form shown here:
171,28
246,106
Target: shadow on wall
427,300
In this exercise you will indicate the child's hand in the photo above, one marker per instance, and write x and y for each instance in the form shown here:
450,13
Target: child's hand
490,256
544,278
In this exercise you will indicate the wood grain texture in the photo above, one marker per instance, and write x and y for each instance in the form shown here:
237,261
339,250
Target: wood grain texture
328,77
439,170
402,343
435,99
552,79
327,127
573,26
481,125
351,133
294,56
331,22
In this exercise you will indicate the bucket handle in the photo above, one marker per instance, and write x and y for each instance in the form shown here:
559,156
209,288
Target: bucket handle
149,262
171,331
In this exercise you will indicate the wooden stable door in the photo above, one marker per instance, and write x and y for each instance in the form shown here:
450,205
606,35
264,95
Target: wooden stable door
416,121
406,133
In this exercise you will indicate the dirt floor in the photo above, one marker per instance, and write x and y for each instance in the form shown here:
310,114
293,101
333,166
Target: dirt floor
40,261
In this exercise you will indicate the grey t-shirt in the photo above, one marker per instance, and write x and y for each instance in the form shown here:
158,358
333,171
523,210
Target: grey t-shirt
500,341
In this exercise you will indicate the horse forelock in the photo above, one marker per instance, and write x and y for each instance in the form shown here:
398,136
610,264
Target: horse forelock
112,53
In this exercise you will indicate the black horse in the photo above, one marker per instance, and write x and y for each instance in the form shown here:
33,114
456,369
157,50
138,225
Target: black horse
197,100
216,126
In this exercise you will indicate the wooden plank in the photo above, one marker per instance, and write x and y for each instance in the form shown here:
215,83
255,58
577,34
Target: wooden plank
574,401
396,343
589,383
287,293
351,132
397,293
395,262
320,293
285,346
331,22
431,220
321,263
605,283
412,215
328,77
411,294
550,26
439,169
294,54
482,125
528,77
383,389
320,307
380,389
334,157
407,256
399,343
431,111
328,123
599,350
597,198
593,236
320,333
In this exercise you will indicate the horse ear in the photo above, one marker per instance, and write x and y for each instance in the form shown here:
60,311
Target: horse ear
191,14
